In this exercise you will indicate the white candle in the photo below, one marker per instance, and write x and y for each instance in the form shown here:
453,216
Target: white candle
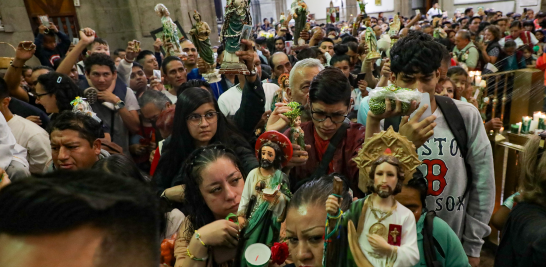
537,115
534,125
478,79
483,84
519,130
501,130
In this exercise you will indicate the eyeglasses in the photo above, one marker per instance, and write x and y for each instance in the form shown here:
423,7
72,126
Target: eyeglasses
38,96
322,116
197,119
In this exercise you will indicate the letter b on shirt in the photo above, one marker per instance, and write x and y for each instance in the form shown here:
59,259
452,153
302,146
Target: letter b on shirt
436,182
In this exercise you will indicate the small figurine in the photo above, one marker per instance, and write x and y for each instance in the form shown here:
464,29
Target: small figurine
282,18
394,28
362,7
386,234
280,95
237,15
371,42
199,34
299,13
296,132
170,32
270,186
81,106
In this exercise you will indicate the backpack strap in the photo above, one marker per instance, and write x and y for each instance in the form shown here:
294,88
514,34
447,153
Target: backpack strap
456,125
430,244
322,169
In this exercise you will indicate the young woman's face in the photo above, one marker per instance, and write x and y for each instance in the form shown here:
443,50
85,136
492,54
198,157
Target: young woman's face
304,232
488,36
447,90
344,67
49,101
222,187
540,36
529,27
204,128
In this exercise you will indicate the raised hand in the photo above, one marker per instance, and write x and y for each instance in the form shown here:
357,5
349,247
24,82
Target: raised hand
157,45
87,36
132,51
415,131
53,28
24,51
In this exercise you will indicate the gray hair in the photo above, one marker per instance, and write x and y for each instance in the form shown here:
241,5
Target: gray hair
464,34
301,65
152,96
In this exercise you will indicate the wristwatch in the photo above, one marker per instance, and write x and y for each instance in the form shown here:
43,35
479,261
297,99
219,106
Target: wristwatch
119,105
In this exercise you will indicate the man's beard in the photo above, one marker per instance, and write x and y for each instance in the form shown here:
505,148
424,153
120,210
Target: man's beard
382,193
266,164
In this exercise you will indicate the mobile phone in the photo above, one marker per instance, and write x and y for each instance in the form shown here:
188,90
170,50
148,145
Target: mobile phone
359,78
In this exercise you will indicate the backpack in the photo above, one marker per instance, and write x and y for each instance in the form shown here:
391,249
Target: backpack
481,61
456,125
430,244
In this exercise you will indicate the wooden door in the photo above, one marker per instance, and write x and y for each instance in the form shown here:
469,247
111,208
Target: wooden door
61,12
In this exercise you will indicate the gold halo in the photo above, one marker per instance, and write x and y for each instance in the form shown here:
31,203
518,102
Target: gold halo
402,148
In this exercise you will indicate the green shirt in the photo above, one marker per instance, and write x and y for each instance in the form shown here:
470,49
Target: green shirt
448,240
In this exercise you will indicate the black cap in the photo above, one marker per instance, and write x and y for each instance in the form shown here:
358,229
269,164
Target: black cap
437,16
509,14
517,15
540,14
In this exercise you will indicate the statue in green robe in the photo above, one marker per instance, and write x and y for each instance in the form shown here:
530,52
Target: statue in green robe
199,34
170,31
237,14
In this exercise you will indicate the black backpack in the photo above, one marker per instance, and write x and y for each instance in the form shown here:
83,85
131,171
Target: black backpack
430,244
456,125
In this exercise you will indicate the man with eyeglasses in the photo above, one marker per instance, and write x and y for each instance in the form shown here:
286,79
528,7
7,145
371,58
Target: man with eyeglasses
329,102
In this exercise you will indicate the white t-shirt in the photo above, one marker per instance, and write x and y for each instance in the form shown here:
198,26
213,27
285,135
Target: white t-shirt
171,97
35,139
518,40
9,149
434,11
230,101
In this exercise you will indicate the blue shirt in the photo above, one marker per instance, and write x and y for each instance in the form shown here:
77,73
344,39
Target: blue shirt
215,87
363,110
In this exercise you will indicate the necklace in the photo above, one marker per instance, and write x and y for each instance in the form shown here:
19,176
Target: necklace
379,228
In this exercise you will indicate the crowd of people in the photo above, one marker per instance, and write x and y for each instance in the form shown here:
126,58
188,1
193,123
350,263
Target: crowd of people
132,156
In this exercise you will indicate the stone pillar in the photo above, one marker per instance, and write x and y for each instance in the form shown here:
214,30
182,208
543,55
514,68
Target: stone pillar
404,7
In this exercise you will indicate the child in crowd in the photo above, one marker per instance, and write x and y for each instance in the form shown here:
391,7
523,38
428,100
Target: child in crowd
47,48
530,58
514,58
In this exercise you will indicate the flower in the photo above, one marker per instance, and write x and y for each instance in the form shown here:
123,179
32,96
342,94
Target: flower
279,253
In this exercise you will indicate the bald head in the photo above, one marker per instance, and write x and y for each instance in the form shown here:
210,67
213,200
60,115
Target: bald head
280,64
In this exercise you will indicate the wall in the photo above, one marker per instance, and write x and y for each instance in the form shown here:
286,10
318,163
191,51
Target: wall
505,6
17,27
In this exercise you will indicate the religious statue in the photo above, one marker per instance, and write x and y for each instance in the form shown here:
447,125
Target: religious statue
386,233
170,31
270,187
299,13
237,15
282,18
199,34
280,95
371,42
331,14
297,136
394,28
362,7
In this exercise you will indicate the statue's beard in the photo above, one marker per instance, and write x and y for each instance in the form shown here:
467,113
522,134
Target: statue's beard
382,193
266,164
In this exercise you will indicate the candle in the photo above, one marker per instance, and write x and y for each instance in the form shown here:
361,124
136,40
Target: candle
257,255
534,126
478,77
541,124
537,115
501,130
519,127
526,124
483,84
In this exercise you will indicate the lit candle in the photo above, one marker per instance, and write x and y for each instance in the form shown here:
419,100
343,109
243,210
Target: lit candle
478,77
534,126
483,84
537,115
526,124
501,130
541,124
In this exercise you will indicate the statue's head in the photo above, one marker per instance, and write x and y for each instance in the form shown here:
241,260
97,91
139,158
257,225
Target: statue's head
331,4
196,16
161,10
270,156
387,176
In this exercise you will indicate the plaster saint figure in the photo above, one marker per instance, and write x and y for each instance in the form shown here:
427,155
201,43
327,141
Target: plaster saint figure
331,14
270,187
199,35
379,231
371,42
394,29
362,6
170,31
299,13
280,95
296,132
237,14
